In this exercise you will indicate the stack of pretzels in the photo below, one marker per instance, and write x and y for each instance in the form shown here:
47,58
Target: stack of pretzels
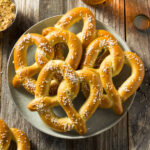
94,58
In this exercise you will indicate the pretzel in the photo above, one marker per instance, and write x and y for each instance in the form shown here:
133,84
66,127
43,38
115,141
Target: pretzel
114,62
67,91
24,73
88,33
100,58
107,43
114,97
7,134
94,2
70,39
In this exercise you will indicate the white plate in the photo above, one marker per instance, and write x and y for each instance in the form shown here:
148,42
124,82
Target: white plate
101,121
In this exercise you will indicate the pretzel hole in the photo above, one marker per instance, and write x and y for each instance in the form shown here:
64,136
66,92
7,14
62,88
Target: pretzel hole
55,84
79,100
124,74
31,55
13,146
77,27
65,50
101,56
58,110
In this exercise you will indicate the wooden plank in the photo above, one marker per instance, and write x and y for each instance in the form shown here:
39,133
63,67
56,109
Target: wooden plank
139,42
27,15
1,46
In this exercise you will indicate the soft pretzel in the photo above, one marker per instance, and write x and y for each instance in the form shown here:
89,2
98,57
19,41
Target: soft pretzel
114,62
24,73
70,39
89,28
7,134
107,43
100,58
67,91
93,2
74,45
114,97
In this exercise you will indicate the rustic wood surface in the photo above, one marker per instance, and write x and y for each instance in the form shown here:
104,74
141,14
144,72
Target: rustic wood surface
133,132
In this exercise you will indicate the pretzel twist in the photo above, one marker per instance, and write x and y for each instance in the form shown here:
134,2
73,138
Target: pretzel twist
128,87
111,66
107,43
67,91
7,134
24,73
57,36
89,28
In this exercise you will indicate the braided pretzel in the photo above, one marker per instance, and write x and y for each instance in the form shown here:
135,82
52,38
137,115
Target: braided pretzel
128,88
7,134
89,28
67,91
24,73
94,2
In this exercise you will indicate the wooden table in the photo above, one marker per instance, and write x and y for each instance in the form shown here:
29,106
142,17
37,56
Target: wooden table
133,132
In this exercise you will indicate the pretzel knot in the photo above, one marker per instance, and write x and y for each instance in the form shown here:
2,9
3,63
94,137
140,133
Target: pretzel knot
7,134
114,97
116,59
24,73
112,66
89,27
57,36
67,91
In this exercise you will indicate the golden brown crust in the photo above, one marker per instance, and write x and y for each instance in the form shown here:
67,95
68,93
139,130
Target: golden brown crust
24,73
57,36
75,15
111,66
5,135
108,44
18,136
115,97
74,45
67,91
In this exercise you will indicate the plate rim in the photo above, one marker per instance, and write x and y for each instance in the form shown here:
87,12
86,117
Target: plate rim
58,135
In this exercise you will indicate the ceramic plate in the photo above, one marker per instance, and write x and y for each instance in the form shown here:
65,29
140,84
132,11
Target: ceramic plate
101,121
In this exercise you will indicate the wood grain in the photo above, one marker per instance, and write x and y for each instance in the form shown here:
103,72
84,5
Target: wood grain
133,132
1,47
139,42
